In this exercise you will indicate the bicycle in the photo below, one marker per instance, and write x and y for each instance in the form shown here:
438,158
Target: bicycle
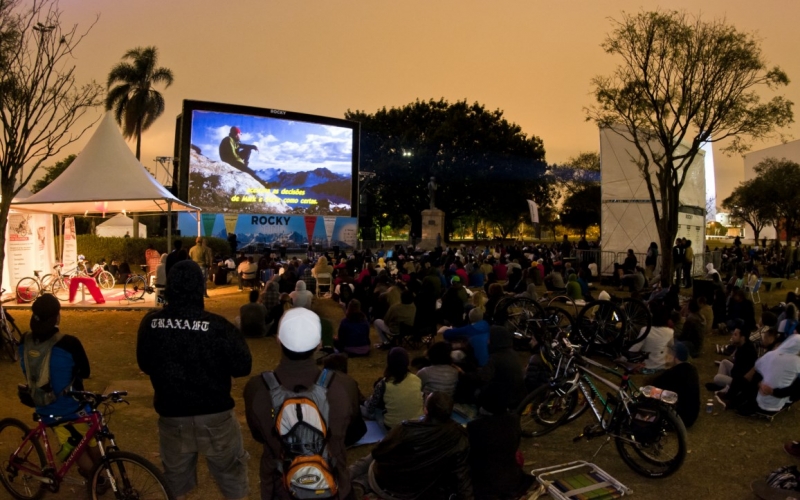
136,286
11,334
103,278
29,288
28,467
641,420
60,284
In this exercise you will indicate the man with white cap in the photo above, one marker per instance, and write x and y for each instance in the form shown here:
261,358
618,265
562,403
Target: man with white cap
299,335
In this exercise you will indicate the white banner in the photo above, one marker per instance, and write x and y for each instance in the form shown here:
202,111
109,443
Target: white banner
330,222
534,208
29,247
70,256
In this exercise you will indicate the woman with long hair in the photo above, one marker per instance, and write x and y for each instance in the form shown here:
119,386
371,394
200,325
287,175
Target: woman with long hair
397,396
353,335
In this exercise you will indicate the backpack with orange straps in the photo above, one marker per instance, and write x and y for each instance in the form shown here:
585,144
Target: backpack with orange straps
301,421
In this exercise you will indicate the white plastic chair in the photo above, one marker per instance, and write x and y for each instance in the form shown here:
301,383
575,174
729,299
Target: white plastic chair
324,279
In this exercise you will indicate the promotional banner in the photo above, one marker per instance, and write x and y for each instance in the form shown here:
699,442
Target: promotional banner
230,222
293,231
310,221
70,255
534,211
208,223
29,247
330,222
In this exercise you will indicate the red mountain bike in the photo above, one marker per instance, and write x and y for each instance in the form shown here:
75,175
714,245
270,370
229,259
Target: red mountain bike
27,468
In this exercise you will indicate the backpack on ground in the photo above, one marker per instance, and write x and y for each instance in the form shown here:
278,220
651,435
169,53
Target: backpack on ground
37,371
301,421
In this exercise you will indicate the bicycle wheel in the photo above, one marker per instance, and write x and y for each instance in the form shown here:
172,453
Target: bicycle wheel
46,281
60,288
639,320
106,280
558,323
20,483
520,316
134,288
28,289
600,322
543,410
132,477
656,452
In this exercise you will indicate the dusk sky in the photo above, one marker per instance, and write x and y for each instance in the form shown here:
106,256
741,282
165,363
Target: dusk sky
533,59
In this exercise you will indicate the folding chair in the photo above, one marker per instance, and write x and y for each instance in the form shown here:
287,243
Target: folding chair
324,279
754,292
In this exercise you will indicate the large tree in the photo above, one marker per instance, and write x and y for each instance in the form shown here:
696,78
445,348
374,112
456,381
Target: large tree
582,208
751,202
780,180
133,97
484,164
684,82
41,103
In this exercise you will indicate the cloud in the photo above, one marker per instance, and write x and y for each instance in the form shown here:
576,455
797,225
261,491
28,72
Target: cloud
218,133
336,131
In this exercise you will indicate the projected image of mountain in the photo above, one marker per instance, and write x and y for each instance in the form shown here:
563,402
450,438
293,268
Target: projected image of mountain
306,167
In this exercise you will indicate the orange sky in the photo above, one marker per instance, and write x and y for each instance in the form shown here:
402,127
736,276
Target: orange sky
531,58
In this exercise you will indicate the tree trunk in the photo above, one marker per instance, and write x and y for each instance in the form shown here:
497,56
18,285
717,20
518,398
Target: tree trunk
138,157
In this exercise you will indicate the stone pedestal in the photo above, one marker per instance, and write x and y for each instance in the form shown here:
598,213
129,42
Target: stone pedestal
432,226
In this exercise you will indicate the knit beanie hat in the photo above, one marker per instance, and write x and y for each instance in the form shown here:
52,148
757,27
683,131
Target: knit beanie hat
300,330
681,351
45,311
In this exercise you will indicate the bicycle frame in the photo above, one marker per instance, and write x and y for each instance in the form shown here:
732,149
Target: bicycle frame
96,428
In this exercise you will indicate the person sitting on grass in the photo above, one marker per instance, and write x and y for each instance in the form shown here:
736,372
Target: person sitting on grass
773,379
353,335
397,396
253,317
730,381
693,330
441,375
574,291
476,333
681,378
301,297
397,317
657,342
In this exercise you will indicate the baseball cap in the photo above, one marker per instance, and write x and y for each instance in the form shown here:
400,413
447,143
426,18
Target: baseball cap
680,351
45,311
300,330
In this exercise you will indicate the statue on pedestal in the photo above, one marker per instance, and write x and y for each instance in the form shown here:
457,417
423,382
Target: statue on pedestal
432,186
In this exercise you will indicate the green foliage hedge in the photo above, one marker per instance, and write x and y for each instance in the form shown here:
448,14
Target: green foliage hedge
132,249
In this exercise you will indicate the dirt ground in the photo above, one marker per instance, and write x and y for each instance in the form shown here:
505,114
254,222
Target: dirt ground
726,452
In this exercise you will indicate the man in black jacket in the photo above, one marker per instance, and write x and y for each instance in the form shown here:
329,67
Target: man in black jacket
190,355
682,379
427,458
678,253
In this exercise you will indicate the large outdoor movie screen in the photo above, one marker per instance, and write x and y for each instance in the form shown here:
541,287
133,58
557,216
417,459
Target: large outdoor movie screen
286,163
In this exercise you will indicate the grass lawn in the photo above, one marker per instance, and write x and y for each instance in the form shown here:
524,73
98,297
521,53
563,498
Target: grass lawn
726,452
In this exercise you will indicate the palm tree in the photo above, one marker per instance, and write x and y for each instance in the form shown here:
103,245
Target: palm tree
136,104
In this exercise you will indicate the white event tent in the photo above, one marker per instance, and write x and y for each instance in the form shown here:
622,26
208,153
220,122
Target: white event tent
118,226
105,178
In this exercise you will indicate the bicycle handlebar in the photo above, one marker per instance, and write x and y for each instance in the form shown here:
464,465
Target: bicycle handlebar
95,398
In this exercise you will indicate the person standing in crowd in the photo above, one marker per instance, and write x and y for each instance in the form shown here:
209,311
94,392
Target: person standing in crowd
677,260
651,260
299,335
191,356
178,254
201,255
688,261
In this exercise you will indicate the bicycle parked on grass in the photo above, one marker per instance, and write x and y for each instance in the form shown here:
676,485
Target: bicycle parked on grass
29,288
11,334
648,434
28,467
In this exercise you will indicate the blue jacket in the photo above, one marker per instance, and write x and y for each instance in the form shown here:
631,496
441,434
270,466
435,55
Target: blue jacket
478,336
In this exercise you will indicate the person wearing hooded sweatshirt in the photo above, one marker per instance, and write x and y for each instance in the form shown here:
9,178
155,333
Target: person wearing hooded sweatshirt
301,297
710,271
191,355
774,373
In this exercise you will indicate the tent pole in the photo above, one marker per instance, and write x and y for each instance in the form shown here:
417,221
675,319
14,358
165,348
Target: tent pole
59,241
169,226
199,232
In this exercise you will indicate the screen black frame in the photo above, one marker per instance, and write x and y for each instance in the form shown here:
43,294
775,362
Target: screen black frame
184,125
